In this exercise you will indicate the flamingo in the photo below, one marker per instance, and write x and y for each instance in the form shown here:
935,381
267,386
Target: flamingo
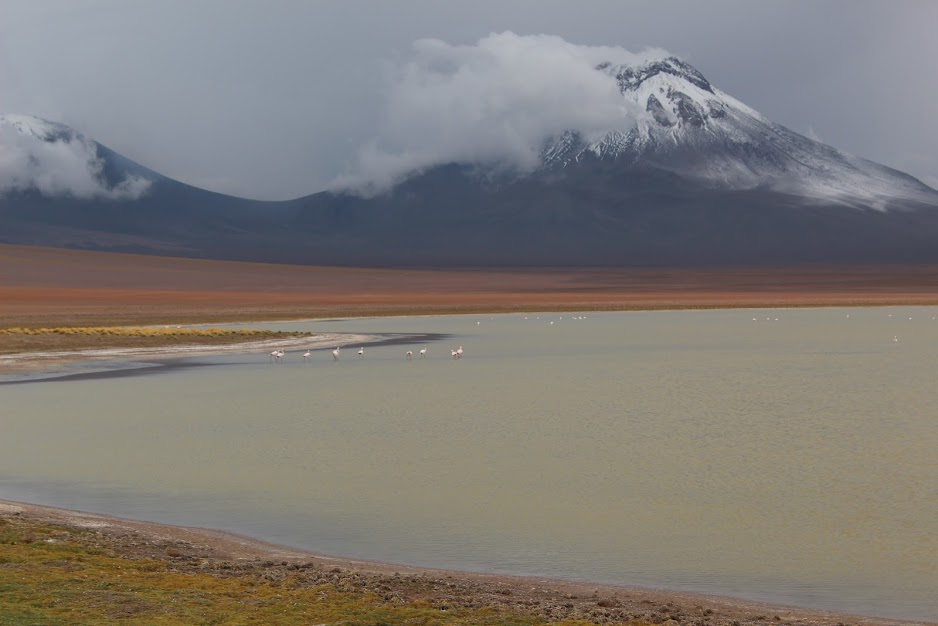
361,352
276,355
423,352
335,354
307,354
409,354
459,352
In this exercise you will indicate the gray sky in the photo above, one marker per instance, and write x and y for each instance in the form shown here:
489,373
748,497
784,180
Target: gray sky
276,100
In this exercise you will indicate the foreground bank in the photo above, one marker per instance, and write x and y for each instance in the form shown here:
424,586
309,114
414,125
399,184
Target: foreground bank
59,566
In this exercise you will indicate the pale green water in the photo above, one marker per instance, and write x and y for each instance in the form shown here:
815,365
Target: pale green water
793,460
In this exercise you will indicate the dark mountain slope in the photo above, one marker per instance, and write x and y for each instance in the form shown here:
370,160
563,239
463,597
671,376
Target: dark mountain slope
701,179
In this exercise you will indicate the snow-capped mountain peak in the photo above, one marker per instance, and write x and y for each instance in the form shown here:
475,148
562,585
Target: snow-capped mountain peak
631,77
674,93
44,130
56,160
695,130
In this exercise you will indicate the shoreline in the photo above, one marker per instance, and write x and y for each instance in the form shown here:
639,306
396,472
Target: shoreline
34,362
223,553
36,367
38,363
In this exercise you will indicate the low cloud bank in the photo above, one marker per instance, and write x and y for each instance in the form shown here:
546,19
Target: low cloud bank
67,165
494,102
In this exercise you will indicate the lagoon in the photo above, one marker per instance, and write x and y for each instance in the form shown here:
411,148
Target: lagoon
789,460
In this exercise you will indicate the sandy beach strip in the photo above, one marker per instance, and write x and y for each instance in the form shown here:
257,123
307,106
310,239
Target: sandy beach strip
36,362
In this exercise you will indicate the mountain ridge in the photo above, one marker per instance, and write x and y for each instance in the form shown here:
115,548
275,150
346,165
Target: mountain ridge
701,179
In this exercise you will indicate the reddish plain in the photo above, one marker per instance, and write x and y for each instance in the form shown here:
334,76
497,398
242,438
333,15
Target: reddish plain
53,287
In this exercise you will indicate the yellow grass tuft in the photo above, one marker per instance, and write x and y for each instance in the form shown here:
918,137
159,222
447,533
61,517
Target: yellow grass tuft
38,339
149,331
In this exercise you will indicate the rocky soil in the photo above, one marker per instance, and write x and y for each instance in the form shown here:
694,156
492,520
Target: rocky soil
228,555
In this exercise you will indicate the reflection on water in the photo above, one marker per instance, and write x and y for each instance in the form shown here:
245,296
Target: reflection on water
790,460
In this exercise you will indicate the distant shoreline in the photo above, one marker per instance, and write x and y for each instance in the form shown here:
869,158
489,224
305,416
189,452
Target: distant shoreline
47,288
33,361
57,363
42,361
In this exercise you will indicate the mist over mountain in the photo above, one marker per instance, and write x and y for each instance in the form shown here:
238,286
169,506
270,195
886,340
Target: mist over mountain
59,188
55,160
617,159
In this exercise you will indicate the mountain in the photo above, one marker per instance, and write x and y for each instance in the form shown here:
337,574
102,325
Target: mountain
59,188
701,179
699,132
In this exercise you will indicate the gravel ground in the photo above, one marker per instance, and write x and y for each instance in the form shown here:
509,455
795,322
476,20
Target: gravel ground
229,555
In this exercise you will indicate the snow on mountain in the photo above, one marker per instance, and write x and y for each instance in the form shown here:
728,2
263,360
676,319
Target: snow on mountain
39,128
693,129
56,160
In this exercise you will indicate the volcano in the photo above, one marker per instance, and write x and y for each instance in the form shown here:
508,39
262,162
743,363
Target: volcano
700,179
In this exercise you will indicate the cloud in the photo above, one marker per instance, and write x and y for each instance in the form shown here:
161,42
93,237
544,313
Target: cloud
812,134
66,165
493,102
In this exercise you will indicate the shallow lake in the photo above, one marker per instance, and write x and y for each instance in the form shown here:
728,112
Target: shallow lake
792,460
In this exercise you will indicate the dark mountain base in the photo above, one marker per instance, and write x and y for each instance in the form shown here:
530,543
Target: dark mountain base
452,216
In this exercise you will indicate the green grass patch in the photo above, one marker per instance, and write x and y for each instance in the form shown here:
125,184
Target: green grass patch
51,575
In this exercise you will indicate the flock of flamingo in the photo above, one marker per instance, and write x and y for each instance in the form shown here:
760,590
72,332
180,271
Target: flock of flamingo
277,355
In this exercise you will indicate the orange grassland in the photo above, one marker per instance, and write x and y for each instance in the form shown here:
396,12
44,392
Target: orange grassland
41,287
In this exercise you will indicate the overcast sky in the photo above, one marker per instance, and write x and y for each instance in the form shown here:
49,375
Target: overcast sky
276,100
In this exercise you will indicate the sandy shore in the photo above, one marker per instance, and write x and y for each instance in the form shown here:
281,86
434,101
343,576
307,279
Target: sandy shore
37,362
228,554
